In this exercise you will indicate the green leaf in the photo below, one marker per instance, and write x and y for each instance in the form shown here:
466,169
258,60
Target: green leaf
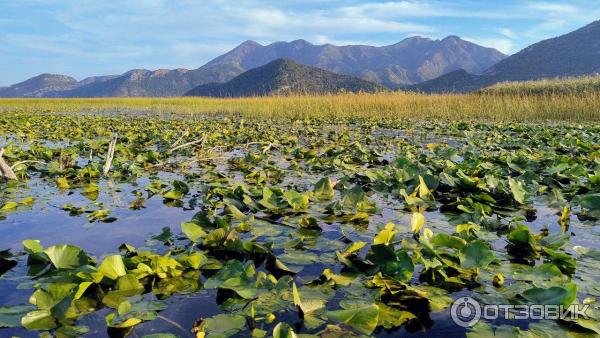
591,201
38,320
390,317
112,320
193,231
129,282
298,202
27,201
363,319
402,268
351,197
308,306
445,240
522,238
324,189
62,183
339,279
417,221
11,316
224,325
354,247
66,256
10,205
556,295
476,254
555,241
233,276
283,330
518,191
173,195
33,246
181,187
91,188
112,267
385,236
547,271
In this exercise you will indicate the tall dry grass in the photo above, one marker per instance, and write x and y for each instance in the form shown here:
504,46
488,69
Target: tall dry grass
564,86
487,106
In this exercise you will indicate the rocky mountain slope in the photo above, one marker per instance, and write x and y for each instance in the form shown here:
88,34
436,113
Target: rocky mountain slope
285,77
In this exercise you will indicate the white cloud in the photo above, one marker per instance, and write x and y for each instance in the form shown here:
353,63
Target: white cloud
393,9
424,9
553,7
501,44
508,33
323,40
109,34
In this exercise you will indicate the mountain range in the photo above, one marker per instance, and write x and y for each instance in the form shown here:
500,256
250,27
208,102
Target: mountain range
573,54
410,61
284,76
417,64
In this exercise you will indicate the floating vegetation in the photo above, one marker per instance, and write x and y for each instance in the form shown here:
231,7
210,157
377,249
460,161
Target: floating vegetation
316,227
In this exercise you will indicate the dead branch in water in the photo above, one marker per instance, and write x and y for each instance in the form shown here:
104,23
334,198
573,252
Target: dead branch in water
110,155
186,133
5,170
26,162
201,141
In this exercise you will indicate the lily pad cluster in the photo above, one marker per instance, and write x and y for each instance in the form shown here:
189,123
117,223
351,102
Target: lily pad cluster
309,228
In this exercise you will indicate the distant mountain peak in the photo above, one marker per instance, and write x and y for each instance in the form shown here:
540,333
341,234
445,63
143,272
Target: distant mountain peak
47,76
452,37
285,76
412,60
39,86
573,54
249,43
416,38
301,42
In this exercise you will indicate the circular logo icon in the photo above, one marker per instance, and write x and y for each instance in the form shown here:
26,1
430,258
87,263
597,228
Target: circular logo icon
465,311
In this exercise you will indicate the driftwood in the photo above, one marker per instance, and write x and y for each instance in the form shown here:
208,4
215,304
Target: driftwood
110,155
180,139
201,141
26,162
5,170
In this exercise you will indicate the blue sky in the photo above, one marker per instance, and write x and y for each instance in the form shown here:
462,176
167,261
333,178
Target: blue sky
98,37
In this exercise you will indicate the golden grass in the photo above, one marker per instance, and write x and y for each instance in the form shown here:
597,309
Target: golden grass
397,105
564,86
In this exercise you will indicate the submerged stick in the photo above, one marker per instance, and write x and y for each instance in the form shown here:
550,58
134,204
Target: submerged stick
110,155
201,140
180,139
26,162
5,170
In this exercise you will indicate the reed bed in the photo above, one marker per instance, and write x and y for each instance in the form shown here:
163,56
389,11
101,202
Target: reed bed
488,105
563,86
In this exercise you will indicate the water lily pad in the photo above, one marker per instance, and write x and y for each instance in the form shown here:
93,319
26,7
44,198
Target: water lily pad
476,254
555,295
363,319
324,189
38,320
193,231
66,256
113,267
224,325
